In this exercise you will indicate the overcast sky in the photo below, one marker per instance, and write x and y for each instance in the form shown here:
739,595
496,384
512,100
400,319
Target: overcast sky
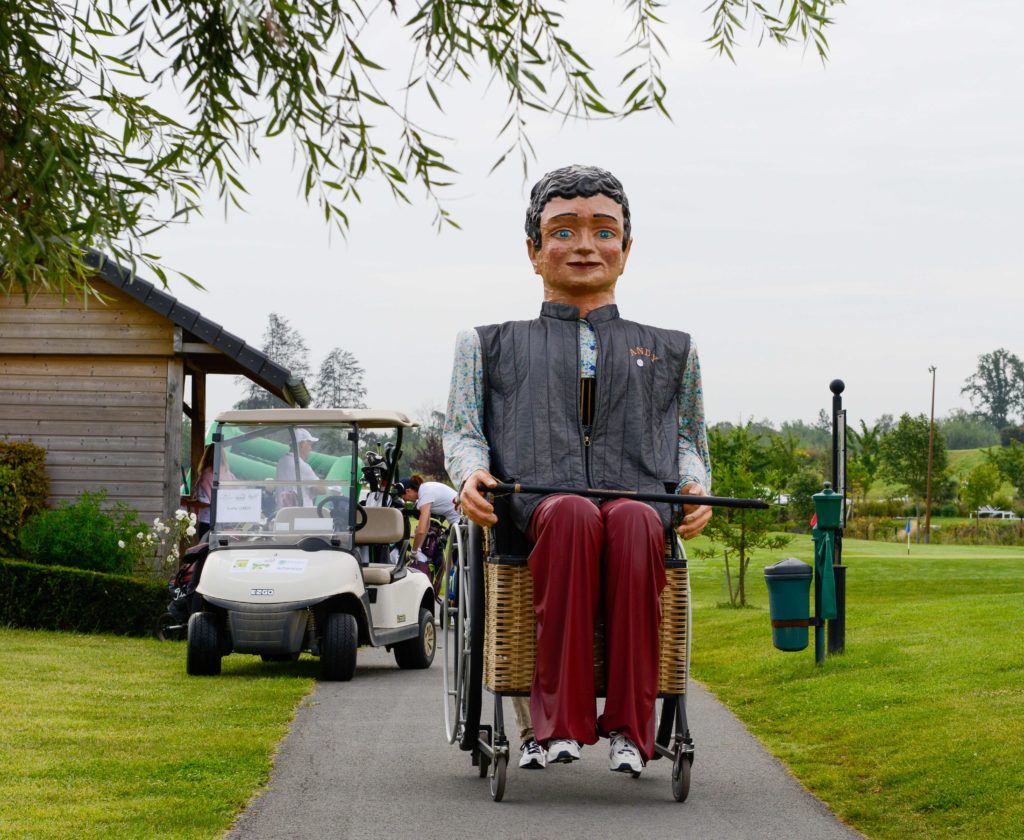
861,220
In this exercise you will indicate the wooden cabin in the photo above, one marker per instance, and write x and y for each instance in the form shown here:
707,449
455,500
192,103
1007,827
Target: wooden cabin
103,386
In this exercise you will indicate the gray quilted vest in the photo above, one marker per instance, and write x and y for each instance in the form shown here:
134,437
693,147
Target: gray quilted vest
532,404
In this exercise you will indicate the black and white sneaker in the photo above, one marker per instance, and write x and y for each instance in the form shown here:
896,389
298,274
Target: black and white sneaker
623,756
532,756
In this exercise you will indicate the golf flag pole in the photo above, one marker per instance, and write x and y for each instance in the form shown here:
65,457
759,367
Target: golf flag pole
908,535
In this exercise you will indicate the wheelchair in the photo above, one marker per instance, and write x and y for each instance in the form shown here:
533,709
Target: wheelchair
489,642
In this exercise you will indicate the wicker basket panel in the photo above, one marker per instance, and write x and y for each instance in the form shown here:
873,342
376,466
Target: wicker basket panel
510,633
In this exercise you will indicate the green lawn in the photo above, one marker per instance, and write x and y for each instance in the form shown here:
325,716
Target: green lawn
918,730
915,733
105,736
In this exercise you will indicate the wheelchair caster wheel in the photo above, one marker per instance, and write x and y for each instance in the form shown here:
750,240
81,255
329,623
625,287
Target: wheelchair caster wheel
498,778
484,765
681,776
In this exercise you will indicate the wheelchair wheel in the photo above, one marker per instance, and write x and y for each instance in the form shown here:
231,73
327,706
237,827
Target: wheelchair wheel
681,775
453,633
473,594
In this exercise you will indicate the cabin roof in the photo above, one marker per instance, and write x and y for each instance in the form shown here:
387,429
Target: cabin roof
208,346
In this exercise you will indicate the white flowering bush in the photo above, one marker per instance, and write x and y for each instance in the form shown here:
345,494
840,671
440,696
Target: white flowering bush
159,545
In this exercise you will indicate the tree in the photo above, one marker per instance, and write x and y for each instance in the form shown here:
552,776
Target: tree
739,460
982,484
801,496
1010,462
996,388
285,346
964,430
866,461
89,160
339,384
904,454
428,457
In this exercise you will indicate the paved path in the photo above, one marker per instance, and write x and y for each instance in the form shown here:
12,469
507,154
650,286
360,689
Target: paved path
368,759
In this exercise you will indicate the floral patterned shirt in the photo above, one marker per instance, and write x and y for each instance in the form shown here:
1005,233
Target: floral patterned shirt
466,449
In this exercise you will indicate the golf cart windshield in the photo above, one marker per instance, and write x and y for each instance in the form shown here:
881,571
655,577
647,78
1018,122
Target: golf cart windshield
282,482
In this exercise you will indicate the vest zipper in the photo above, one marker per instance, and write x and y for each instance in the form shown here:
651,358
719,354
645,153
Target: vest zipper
584,430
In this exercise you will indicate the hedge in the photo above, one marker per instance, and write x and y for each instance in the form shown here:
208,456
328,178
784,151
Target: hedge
57,598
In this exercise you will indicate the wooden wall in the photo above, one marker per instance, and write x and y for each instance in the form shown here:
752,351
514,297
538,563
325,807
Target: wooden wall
98,387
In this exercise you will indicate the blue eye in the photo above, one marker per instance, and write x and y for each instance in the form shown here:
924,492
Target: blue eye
605,234
563,233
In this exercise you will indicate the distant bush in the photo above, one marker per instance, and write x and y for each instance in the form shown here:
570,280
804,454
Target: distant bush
874,528
1011,433
83,536
55,598
24,488
1003,532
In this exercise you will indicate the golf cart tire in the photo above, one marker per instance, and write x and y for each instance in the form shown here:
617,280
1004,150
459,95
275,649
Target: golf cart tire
338,650
418,653
204,645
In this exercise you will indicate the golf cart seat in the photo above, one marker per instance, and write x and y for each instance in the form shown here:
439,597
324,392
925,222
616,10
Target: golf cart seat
299,519
384,526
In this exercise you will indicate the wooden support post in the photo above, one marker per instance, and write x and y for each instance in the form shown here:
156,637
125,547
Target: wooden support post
198,417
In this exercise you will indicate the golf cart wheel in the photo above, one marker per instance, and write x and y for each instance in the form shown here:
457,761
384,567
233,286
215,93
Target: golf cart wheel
681,768
338,650
204,645
498,774
419,652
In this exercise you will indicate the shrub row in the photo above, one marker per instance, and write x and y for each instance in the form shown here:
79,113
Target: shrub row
56,598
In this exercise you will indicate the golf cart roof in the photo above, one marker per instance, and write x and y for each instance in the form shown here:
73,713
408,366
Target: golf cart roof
367,418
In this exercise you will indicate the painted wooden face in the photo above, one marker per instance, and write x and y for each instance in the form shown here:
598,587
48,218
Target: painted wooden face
581,249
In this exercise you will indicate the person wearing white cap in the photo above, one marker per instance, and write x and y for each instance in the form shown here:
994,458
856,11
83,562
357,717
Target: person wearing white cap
296,459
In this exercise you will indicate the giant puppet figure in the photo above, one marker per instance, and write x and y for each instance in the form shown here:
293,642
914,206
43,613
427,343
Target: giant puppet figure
580,397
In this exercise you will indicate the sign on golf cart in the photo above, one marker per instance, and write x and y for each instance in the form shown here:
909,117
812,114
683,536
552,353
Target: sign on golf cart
299,560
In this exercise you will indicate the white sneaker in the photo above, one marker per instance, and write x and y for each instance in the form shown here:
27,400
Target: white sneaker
623,756
563,751
533,757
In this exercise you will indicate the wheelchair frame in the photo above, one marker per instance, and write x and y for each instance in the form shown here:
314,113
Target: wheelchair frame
463,630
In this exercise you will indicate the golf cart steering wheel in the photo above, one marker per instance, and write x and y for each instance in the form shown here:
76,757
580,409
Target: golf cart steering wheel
339,512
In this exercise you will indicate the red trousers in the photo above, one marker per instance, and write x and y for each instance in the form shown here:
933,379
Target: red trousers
579,551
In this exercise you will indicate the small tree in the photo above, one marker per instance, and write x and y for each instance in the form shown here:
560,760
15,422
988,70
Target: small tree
737,455
982,484
867,458
996,388
339,384
285,346
904,454
1010,462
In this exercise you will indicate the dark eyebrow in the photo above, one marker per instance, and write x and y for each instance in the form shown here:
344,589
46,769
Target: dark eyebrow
576,215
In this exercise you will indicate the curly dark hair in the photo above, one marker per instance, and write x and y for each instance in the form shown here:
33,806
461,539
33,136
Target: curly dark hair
572,182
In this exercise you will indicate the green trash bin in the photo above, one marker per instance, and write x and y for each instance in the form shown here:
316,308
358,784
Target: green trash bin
789,588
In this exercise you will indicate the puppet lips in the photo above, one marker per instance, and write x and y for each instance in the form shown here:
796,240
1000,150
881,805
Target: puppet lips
584,264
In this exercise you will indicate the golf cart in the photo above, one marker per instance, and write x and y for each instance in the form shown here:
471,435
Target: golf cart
297,561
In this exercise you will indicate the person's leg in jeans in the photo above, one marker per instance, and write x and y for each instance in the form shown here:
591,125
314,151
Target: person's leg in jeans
634,575
565,565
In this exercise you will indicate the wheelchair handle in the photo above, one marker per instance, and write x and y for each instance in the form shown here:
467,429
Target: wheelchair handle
667,498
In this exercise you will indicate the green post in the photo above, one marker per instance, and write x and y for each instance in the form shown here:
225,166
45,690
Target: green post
828,511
